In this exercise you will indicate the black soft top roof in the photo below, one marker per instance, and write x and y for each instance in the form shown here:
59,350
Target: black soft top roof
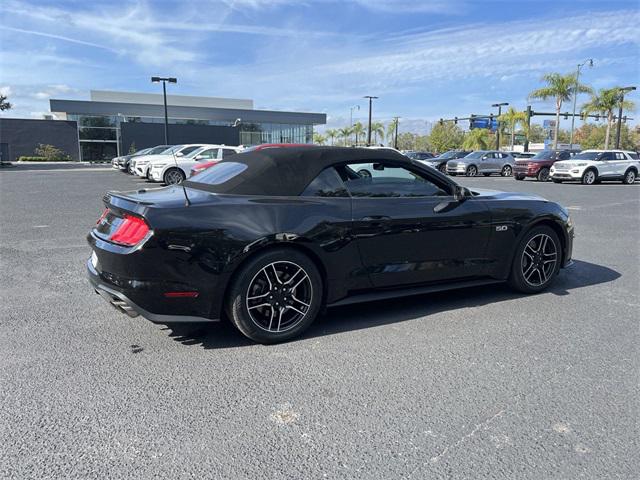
286,171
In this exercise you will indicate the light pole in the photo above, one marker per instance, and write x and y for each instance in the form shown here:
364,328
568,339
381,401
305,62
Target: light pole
395,138
622,92
369,129
164,81
499,105
589,62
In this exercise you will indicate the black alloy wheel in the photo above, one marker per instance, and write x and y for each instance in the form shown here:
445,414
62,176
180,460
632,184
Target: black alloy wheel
537,260
543,174
275,296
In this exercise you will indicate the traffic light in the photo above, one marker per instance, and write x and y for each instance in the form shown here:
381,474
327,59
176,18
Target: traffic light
455,120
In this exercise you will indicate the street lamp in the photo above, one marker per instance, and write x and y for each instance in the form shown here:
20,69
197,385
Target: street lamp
369,129
588,62
622,92
499,105
164,81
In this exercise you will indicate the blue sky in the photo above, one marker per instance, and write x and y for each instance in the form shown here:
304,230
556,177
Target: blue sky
424,59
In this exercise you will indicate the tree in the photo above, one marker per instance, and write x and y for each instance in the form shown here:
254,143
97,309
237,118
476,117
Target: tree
512,118
590,135
132,148
377,129
344,133
391,132
319,138
4,105
536,133
332,133
445,136
605,102
358,130
477,139
51,153
561,88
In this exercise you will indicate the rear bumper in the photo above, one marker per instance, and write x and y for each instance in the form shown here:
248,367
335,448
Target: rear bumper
119,299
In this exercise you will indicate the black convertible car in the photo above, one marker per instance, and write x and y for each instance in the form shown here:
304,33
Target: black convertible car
268,238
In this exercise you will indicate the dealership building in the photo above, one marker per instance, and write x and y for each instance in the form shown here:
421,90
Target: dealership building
114,123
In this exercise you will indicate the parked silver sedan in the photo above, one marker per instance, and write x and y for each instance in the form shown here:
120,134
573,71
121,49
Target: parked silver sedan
485,162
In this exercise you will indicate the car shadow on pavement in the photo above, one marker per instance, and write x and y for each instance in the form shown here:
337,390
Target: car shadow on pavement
374,314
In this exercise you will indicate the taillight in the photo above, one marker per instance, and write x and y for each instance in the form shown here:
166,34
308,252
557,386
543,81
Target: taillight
131,231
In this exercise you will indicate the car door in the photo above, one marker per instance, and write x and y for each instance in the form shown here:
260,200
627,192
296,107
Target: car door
409,229
620,164
606,164
489,163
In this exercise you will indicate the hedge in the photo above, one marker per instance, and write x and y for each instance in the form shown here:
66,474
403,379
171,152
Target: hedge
43,159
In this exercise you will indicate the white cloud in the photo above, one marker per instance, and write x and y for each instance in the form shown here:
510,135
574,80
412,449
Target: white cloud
6,91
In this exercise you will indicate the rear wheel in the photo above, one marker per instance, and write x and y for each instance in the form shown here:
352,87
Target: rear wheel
472,171
589,177
543,174
275,296
507,171
629,177
173,176
537,260
519,177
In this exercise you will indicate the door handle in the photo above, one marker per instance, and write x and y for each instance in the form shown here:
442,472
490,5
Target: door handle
375,218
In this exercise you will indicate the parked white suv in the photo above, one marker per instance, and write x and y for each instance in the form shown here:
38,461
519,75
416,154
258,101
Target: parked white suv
172,171
141,167
592,166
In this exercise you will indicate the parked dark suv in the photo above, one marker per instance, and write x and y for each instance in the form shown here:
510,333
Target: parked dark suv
538,166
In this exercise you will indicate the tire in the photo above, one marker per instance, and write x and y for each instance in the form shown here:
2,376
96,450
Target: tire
472,171
506,171
443,168
629,177
519,177
543,175
554,180
532,271
589,177
298,307
173,176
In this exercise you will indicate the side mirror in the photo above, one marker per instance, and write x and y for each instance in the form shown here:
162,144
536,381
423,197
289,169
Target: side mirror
179,154
199,157
460,193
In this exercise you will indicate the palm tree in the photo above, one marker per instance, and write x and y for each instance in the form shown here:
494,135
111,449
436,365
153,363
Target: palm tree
561,88
512,117
332,133
319,138
4,104
344,133
358,130
377,129
391,131
605,102
476,139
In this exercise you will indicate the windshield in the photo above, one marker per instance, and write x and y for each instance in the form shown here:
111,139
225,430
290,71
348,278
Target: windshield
159,150
586,156
477,154
197,151
144,151
172,150
544,155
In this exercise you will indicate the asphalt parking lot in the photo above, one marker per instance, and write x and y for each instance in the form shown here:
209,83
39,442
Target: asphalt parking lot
477,383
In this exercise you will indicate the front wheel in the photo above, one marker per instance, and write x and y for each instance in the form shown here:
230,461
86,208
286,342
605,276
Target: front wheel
537,260
629,177
472,171
519,177
543,175
173,176
275,296
589,177
507,171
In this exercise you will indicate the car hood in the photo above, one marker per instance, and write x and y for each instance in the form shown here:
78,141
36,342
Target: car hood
499,195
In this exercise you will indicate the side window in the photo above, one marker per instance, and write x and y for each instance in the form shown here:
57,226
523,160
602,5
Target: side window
620,156
188,150
564,156
606,156
208,154
380,180
633,155
227,152
327,184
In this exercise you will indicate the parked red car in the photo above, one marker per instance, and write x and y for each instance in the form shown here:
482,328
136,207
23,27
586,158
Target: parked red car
203,166
538,166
